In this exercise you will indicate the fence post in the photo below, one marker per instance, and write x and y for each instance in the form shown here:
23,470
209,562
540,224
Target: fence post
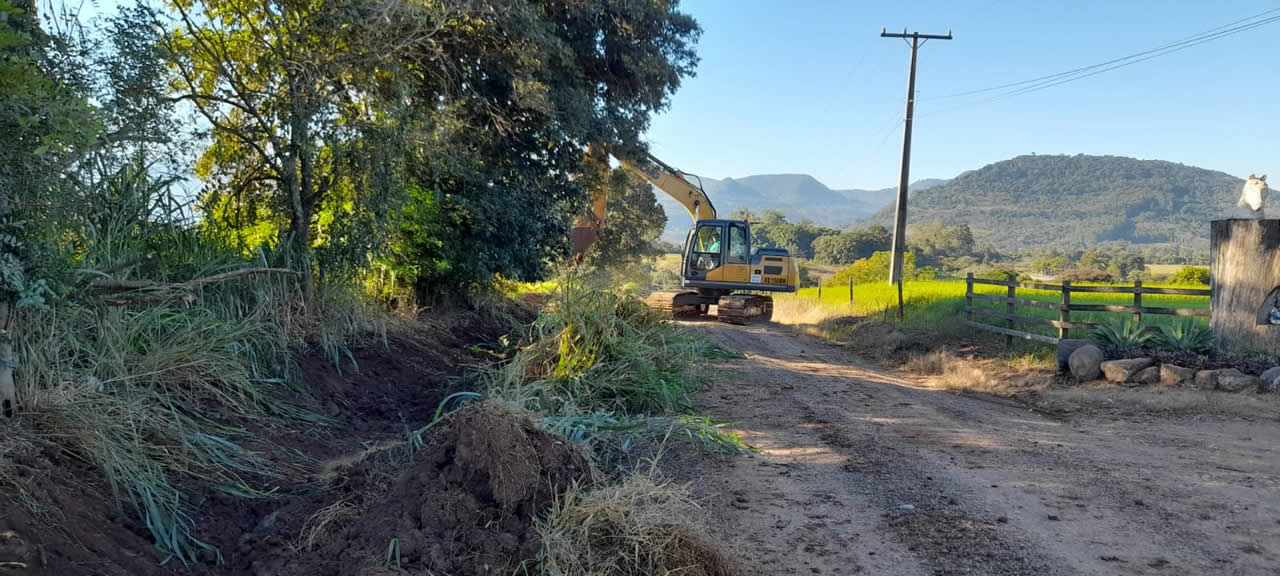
1065,314
851,289
968,297
819,291
1008,322
1137,303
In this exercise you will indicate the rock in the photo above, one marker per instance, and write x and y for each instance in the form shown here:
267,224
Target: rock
1121,371
1232,380
1206,379
1148,375
1175,375
1085,363
1270,380
1065,349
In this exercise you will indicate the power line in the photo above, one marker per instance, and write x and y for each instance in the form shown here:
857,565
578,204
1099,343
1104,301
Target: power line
1194,40
1045,82
1224,34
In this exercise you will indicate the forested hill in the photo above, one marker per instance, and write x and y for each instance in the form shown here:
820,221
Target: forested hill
1078,201
799,196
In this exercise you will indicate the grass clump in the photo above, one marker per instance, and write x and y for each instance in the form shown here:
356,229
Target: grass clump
600,367
602,351
635,528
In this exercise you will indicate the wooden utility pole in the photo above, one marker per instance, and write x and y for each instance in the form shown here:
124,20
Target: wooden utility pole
900,219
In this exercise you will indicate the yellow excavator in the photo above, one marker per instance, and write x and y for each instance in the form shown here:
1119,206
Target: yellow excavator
718,267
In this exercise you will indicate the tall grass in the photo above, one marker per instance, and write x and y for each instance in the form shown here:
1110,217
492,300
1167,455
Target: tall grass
599,350
598,363
163,393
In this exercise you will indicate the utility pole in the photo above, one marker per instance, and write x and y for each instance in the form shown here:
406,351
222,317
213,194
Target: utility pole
900,219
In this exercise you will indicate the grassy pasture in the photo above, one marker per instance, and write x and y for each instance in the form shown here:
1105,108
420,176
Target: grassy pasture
939,305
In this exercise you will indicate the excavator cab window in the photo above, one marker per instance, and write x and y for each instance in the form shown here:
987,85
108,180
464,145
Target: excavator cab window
707,246
739,244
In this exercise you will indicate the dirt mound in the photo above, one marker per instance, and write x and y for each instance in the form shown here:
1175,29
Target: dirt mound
465,506
54,522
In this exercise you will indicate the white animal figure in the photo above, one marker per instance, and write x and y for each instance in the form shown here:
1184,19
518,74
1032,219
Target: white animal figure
1254,194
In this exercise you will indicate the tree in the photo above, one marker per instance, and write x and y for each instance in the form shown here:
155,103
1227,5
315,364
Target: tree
1190,275
530,84
839,249
875,269
635,221
937,242
286,87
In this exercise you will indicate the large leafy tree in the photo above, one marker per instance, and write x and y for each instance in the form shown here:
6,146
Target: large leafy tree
301,98
525,87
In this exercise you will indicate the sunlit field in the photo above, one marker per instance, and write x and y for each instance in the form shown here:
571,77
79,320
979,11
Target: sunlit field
940,304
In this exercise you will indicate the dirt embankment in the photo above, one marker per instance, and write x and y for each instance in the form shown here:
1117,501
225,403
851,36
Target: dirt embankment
864,470
361,500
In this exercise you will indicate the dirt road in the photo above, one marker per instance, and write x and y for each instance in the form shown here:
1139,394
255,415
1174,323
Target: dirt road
866,471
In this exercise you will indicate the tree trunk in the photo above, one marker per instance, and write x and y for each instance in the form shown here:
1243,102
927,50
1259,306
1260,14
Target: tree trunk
8,391
300,219
1244,274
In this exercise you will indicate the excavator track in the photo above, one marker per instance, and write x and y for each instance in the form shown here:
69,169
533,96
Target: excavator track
744,308
676,303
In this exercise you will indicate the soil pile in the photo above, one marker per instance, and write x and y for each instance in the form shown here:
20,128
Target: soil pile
54,524
465,507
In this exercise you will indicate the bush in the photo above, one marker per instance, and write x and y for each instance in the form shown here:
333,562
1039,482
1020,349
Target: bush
1186,336
1120,335
874,269
1190,276
1088,275
1000,274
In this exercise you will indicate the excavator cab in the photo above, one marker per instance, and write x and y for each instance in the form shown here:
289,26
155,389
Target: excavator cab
718,255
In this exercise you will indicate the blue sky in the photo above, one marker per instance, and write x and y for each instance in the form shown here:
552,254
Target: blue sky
808,86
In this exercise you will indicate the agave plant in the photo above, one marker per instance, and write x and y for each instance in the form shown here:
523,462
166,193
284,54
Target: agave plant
1122,334
1185,336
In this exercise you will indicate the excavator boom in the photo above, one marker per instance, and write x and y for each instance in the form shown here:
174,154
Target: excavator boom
674,183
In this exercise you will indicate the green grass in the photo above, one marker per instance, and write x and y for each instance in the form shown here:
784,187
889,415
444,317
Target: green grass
599,365
939,305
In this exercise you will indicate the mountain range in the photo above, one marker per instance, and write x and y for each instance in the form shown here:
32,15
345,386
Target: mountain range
1026,202
799,196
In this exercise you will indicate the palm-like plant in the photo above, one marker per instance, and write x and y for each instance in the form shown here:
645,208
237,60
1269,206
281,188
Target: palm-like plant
1121,334
1185,336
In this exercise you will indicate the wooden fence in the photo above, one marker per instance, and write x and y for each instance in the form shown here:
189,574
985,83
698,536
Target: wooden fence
1063,306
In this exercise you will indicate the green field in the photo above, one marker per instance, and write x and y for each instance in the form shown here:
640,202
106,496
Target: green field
939,305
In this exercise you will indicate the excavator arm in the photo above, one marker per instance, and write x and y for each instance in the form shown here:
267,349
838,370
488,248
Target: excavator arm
673,182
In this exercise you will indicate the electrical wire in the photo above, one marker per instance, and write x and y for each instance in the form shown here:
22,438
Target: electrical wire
1216,33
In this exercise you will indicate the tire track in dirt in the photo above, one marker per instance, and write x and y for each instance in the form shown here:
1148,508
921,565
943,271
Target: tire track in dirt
865,471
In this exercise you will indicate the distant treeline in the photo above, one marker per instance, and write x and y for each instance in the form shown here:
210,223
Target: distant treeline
951,250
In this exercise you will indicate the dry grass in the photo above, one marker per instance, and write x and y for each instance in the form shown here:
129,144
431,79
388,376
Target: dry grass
322,524
637,528
946,371
804,312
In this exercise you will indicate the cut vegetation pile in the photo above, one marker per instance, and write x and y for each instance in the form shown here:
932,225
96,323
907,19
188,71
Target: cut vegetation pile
597,363
636,528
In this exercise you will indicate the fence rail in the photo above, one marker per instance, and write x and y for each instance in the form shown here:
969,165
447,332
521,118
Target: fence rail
1064,324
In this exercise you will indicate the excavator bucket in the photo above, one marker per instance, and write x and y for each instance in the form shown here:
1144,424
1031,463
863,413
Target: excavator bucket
583,237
